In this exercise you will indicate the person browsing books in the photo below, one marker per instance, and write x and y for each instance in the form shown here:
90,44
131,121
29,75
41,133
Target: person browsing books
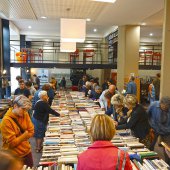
40,118
137,121
102,154
17,128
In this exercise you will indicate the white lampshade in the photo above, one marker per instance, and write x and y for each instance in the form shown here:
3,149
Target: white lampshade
67,46
73,30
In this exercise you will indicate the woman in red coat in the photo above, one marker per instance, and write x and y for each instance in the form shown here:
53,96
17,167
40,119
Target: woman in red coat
102,154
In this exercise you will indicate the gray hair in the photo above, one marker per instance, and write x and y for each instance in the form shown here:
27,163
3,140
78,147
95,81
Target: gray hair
166,101
117,99
42,93
98,88
23,102
131,99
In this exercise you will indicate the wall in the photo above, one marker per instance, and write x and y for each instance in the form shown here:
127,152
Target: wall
97,73
57,73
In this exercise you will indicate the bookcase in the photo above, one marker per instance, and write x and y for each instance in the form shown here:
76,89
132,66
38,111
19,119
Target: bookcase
112,40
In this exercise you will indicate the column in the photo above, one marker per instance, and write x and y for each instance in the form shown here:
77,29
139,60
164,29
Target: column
6,51
165,69
22,41
128,54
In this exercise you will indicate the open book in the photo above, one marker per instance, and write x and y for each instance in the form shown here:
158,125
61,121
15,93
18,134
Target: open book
166,146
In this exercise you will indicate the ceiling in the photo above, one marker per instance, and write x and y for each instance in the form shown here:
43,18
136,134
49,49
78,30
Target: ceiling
24,13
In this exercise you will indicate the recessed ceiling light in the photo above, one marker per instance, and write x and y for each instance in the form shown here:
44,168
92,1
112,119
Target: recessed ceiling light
151,34
109,1
95,30
43,17
143,23
88,19
29,27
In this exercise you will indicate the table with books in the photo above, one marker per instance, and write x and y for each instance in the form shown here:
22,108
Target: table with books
68,136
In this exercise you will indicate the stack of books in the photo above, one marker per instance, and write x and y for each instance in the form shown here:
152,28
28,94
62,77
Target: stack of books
68,135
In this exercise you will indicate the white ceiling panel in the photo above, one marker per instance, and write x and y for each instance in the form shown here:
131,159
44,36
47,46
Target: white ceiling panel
54,9
17,9
103,15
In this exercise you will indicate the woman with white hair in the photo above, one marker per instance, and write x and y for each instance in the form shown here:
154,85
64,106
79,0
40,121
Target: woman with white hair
120,115
17,128
40,118
138,119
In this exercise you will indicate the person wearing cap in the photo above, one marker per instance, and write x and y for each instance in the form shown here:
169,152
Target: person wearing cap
17,128
120,115
40,118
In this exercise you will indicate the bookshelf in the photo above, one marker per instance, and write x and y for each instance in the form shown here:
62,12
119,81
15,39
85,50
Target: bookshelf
112,40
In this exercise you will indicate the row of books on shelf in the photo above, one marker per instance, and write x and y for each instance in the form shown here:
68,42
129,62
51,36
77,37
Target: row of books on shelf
68,136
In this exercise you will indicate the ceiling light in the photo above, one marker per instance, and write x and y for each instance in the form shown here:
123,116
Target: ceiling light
95,30
151,34
29,27
88,19
43,17
143,23
109,1
73,30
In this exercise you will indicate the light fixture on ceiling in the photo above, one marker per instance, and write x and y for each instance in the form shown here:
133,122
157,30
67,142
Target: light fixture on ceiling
95,30
67,46
27,71
143,23
29,27
151,34
44,17
108,1
88,19
73,30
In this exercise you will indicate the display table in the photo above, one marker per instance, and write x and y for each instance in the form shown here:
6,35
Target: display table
68,136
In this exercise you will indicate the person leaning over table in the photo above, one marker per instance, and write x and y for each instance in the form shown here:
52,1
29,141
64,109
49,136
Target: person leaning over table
137,121
102,99
102,154
40,118
120,115
17,128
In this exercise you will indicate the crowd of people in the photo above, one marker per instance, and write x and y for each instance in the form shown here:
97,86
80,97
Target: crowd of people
31,107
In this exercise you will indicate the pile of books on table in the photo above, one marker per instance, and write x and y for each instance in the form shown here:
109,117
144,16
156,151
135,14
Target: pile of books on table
68,136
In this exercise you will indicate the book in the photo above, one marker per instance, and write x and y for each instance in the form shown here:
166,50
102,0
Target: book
165,146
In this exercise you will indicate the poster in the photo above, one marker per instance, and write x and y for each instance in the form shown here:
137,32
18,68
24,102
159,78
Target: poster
43,76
